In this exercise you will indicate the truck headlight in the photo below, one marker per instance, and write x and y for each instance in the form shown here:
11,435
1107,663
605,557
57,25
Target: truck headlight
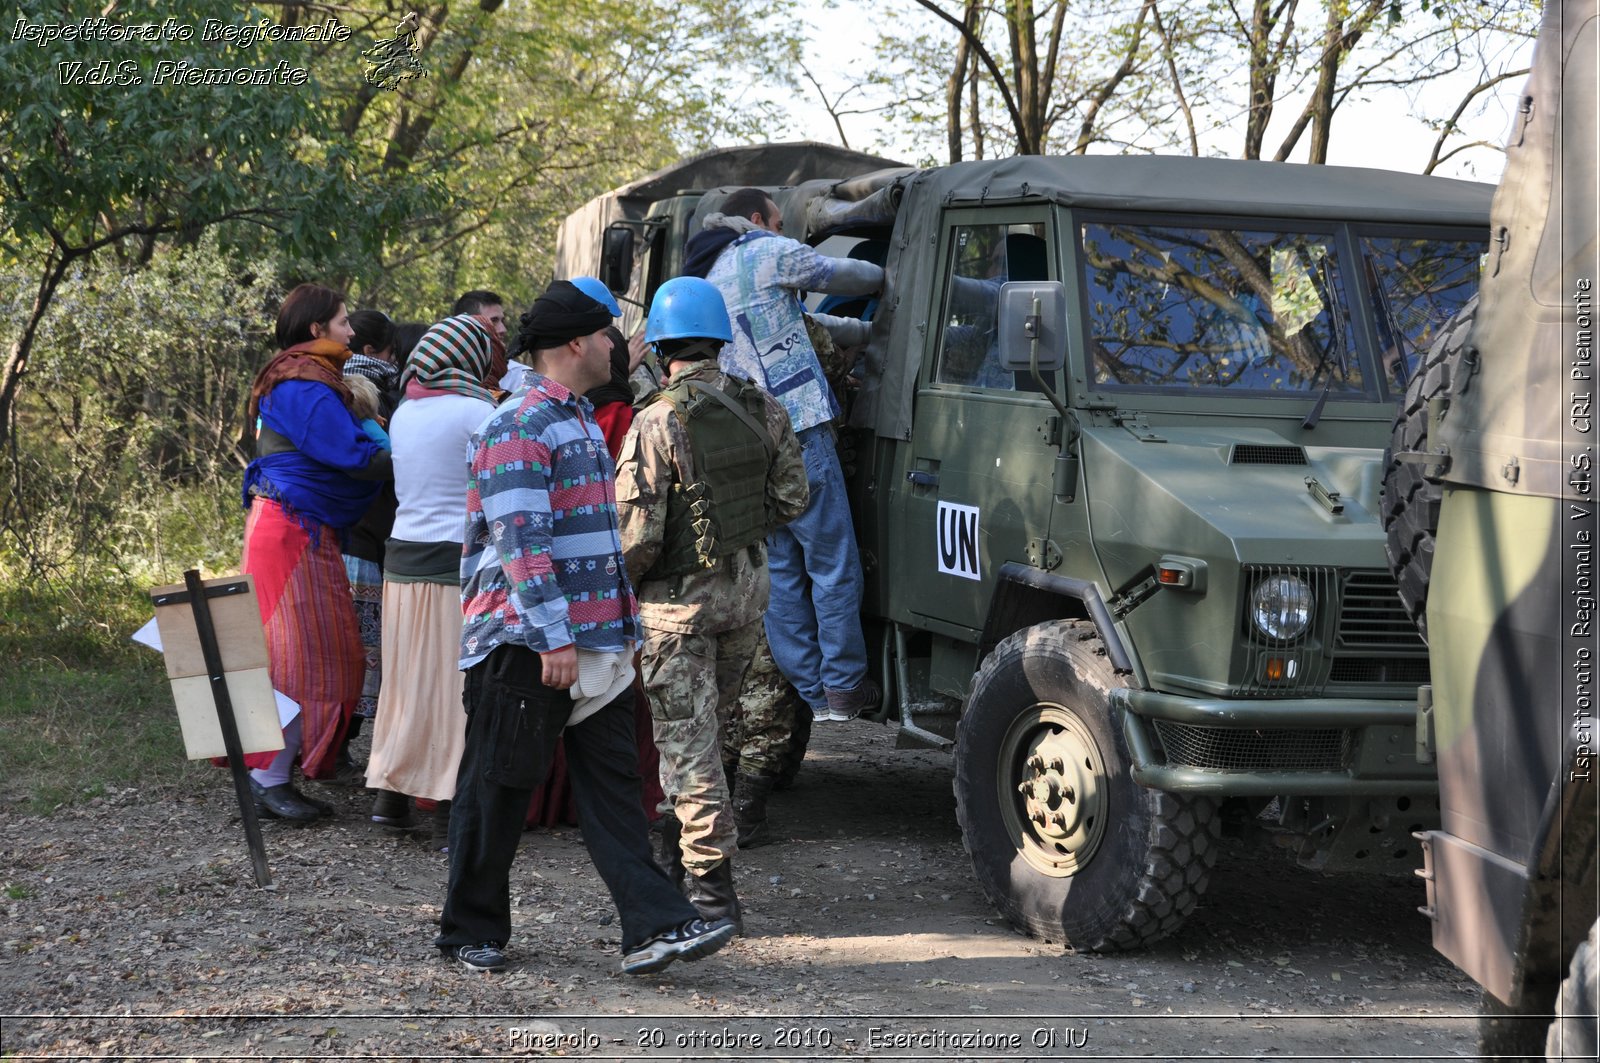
1281,607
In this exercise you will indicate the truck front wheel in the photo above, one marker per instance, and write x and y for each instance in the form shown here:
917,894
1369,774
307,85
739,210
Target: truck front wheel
1064,843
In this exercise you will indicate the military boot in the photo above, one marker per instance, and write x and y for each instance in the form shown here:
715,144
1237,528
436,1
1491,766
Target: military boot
713,897
669,851
750,809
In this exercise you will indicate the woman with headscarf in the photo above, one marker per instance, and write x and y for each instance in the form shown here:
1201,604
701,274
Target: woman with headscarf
420,729
317,468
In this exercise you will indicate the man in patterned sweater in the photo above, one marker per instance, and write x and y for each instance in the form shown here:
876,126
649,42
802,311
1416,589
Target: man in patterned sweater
550,623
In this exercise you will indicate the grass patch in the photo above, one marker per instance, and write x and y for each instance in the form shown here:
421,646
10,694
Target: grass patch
83,710
71,735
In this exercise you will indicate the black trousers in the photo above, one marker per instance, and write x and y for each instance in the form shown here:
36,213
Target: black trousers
513,724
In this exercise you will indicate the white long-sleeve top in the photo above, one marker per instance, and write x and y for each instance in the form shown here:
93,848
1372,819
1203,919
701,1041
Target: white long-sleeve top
430,437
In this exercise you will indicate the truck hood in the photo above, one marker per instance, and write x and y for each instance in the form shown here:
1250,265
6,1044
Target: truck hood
1239,492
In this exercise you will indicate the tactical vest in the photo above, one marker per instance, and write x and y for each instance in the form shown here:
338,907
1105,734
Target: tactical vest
724,508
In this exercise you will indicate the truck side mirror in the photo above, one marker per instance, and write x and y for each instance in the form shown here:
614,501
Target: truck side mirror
1032,312
616,258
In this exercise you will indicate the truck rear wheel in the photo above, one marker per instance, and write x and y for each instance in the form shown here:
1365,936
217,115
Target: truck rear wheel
1063,841
1411,500
1572,1035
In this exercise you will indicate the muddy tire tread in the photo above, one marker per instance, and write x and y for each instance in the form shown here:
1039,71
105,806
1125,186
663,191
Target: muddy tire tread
1184,834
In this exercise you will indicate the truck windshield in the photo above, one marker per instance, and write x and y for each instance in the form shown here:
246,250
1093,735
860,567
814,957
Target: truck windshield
1415,284
1173,306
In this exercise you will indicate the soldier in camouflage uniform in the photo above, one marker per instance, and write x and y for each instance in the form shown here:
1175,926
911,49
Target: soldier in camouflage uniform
756,742
708,468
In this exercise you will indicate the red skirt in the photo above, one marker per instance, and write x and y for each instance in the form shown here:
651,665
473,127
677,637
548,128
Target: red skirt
314,646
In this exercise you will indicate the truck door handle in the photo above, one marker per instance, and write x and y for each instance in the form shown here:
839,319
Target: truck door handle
923,478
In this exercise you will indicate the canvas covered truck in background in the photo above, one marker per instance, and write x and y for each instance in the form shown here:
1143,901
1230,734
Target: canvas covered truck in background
1115,449
641,227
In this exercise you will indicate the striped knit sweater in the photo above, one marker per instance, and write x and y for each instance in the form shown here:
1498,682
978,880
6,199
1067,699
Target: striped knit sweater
542,563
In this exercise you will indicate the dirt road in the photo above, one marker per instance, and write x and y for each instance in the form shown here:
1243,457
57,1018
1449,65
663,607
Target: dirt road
132,928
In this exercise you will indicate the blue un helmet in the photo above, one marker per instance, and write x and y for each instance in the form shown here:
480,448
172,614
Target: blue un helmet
596,290
688,308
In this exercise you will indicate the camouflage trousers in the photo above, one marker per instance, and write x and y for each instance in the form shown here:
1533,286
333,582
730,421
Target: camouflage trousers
756,738
693,684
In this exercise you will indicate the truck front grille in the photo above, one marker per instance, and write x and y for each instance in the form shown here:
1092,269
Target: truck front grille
1412,671
1372,617
1237,749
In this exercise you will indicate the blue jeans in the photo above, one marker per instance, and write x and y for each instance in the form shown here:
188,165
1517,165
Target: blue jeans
814,616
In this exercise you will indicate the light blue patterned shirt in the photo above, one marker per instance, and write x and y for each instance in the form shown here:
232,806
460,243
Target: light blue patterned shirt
761,276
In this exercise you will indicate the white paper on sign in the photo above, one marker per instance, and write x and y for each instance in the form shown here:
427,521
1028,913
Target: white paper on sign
149,635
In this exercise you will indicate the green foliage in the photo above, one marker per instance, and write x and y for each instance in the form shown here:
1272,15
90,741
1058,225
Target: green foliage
550,104
128,456
69,735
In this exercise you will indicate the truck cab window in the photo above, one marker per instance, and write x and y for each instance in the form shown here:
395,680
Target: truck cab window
982,258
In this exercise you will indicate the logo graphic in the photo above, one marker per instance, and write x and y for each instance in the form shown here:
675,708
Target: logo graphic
393,62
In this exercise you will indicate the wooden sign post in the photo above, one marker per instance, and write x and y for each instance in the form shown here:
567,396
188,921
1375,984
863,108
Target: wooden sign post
230,672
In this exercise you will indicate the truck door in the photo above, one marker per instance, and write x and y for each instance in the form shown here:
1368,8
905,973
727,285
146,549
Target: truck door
977,487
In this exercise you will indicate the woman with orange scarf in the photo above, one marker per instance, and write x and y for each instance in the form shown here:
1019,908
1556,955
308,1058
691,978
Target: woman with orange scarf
316,470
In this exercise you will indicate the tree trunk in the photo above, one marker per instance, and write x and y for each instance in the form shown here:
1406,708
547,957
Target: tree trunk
1025,75
958,78
16,363
1265,62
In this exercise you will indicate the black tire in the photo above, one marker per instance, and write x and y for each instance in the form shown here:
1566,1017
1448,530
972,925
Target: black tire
1410,499
1572,1035
1507,1033
1124,865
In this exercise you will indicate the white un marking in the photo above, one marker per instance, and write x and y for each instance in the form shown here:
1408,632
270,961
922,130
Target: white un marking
957,546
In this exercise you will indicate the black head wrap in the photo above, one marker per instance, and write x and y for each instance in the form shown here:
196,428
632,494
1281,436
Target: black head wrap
617,389
561,314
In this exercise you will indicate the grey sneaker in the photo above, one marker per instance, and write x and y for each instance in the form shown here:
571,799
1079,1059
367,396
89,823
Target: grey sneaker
693,940
848,704
487,956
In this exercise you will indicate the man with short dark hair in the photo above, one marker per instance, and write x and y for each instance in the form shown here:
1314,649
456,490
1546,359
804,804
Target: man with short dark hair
484,304
547,642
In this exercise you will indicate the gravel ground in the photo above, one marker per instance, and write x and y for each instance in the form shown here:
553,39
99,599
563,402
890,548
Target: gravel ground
132,928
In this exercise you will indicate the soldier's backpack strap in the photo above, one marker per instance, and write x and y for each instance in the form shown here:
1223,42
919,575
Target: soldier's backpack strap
740,412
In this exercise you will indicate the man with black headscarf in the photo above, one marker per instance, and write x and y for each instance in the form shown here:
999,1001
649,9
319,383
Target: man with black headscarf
547,641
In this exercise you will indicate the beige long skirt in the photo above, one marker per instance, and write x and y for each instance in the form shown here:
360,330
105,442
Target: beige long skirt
421,729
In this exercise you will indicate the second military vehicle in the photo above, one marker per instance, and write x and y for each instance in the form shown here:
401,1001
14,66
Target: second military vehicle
1492,517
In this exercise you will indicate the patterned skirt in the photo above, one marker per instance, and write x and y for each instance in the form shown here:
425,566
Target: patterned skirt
313,641
366,591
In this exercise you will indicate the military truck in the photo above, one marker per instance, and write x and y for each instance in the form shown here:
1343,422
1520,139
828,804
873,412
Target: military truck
1490,509
1115,451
